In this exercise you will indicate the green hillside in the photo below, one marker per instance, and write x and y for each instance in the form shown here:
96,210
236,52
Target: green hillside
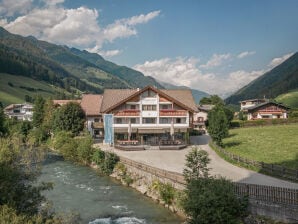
17,89
290,99
70,70
133,77
279,80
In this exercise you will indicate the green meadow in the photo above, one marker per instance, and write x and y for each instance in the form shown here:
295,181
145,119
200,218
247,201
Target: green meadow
277,144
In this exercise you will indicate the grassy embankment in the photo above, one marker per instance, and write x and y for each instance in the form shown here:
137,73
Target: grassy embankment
276,144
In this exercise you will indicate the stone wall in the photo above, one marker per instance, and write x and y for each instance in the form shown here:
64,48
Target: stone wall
276,203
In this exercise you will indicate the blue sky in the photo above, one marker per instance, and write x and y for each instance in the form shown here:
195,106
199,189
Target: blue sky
215,46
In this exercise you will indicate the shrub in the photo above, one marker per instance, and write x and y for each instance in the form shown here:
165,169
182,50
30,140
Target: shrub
85,149
167,193
210,200
106,161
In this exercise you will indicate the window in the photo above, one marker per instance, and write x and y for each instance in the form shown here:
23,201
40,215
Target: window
149,93
132,107
149,107
133,120
96,119
149,120
118,121
165,107
164,120
178,120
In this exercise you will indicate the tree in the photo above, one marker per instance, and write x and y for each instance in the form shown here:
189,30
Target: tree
217,124
69,117
229,114
2,121
213,99
208,199
85,150
38,111
196,165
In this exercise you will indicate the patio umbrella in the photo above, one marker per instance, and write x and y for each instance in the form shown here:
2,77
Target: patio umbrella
172,130
129,130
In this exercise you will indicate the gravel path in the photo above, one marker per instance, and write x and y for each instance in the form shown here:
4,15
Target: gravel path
175,160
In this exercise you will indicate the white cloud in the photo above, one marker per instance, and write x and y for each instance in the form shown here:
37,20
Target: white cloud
185,71
77,27
126,27
53,2
10,8
277,61
245,54
109,53
216,60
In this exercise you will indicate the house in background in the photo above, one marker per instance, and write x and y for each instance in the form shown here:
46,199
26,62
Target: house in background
91,104
267,110
22,111
60,103
245,104
149,116
201,116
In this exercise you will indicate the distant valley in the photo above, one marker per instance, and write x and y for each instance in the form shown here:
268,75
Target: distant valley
29,67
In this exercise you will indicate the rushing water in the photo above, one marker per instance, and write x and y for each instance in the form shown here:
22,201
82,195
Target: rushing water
99,200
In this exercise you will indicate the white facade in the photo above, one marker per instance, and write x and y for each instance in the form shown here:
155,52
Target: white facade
20,111
148,112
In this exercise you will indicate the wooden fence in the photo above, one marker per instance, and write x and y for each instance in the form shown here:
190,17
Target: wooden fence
257,192
271,169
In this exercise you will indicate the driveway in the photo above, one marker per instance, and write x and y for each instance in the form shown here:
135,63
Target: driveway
175,160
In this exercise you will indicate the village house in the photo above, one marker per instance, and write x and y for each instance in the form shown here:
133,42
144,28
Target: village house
201,116
149,116
22,111
267,110
91,104
245,104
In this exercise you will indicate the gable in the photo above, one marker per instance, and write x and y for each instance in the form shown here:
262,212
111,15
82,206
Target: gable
114,98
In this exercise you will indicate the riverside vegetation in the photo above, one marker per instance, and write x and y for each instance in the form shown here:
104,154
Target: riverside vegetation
206,199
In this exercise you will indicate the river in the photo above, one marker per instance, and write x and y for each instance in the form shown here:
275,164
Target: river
99,199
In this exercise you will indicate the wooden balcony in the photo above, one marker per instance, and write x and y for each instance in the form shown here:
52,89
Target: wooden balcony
127,113
172,113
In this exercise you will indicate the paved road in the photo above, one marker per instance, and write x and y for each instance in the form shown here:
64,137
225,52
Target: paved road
175,160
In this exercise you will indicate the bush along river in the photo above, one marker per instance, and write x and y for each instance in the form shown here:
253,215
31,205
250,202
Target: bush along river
99,199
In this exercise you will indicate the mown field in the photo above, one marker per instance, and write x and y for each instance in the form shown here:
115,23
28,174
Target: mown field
276,144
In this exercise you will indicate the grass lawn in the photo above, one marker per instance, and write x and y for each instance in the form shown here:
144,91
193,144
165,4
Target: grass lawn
276,144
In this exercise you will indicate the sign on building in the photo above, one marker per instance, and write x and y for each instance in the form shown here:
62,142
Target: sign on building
108,127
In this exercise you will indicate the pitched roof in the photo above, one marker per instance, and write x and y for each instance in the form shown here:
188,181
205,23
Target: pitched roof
263,104
115,97
91,104
206,107
63,102
183,96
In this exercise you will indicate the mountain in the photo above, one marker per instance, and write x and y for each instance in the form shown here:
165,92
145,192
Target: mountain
279,80
197,94
135,78
29,67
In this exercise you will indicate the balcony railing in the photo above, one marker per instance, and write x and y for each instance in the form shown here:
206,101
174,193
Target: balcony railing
124,113
170,112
